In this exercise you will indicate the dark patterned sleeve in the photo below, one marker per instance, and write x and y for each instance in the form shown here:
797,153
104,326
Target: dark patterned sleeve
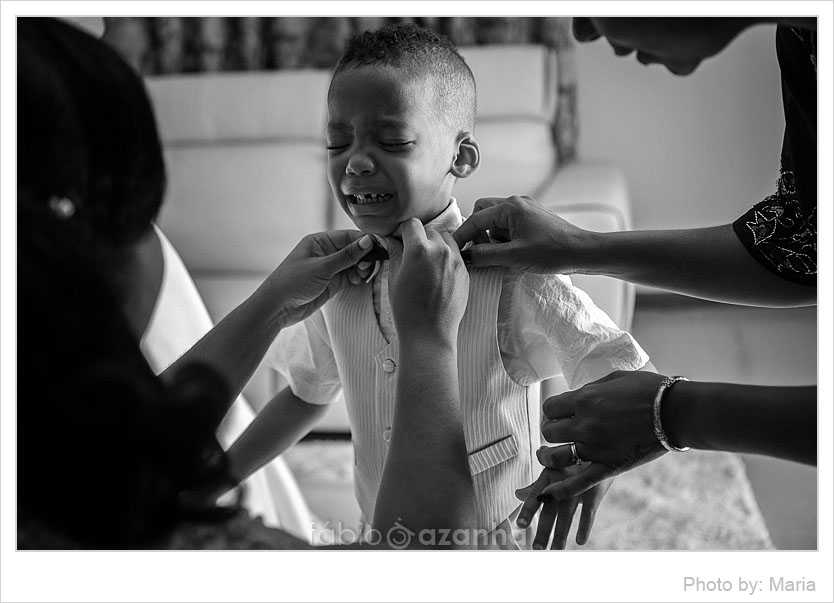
781,231
780,235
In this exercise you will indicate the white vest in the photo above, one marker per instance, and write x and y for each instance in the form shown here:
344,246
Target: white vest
500,417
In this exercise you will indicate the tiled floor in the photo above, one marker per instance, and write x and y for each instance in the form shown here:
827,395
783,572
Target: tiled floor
716,342
712,342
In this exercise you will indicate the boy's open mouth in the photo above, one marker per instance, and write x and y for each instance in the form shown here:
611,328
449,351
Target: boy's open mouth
370,198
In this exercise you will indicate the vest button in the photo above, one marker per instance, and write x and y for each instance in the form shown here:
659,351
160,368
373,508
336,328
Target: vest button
389,366
386,435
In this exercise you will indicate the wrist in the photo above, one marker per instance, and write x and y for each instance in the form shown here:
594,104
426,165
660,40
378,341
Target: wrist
673,414
660,430
428,331
269,305
428,363
594,252
428,343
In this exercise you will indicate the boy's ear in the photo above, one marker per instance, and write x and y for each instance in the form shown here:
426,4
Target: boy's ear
467,158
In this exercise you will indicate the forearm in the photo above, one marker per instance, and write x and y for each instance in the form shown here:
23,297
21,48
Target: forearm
281,423
237,344
426,481
709,263
773,421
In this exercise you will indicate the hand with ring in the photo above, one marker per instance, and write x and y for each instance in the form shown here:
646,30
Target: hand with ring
557,515
607,423
574,456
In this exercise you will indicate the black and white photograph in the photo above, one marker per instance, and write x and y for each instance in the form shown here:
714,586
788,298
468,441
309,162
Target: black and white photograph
433,298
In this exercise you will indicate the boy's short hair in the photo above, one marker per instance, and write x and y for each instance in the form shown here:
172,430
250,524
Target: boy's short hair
424,54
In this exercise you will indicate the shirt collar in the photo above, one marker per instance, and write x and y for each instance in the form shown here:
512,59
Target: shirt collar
449,219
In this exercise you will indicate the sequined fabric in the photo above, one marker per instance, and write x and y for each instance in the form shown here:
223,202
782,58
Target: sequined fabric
780,232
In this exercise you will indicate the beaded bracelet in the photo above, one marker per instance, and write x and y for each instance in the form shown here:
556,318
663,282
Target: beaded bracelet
658,427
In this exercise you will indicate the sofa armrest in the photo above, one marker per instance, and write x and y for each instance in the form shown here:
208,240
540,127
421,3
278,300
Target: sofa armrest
589,185
593,195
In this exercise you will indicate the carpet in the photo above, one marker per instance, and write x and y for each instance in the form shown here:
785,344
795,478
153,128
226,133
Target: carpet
692,501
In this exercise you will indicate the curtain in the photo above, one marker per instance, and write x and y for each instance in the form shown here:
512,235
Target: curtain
173,45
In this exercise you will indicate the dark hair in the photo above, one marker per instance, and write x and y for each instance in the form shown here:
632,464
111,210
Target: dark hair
86,131
424,54
104,447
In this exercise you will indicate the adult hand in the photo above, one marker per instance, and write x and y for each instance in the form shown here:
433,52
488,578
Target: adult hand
523,234
428,281
610,422
557,515
319,267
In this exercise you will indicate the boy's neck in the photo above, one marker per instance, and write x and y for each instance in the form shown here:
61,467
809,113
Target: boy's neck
452,201
441,212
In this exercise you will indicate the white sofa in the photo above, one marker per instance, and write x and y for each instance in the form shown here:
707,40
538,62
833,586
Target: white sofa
246,166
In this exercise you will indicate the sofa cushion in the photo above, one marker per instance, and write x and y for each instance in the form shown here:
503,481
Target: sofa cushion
245,165
242,208
517,92
240,106
514,80
590,184
517,158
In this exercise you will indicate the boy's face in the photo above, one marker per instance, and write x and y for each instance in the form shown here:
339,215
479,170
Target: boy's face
389,155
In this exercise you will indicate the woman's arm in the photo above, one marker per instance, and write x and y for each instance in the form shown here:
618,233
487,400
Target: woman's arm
426,483
773,421
319,266
612,423
710,263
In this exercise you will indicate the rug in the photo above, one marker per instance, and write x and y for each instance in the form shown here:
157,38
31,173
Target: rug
692,501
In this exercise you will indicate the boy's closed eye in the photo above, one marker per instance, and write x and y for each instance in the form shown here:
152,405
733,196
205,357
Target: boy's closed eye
389,145
338,138
396,143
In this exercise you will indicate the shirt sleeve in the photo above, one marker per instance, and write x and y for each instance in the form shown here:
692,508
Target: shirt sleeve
547,327
303,355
